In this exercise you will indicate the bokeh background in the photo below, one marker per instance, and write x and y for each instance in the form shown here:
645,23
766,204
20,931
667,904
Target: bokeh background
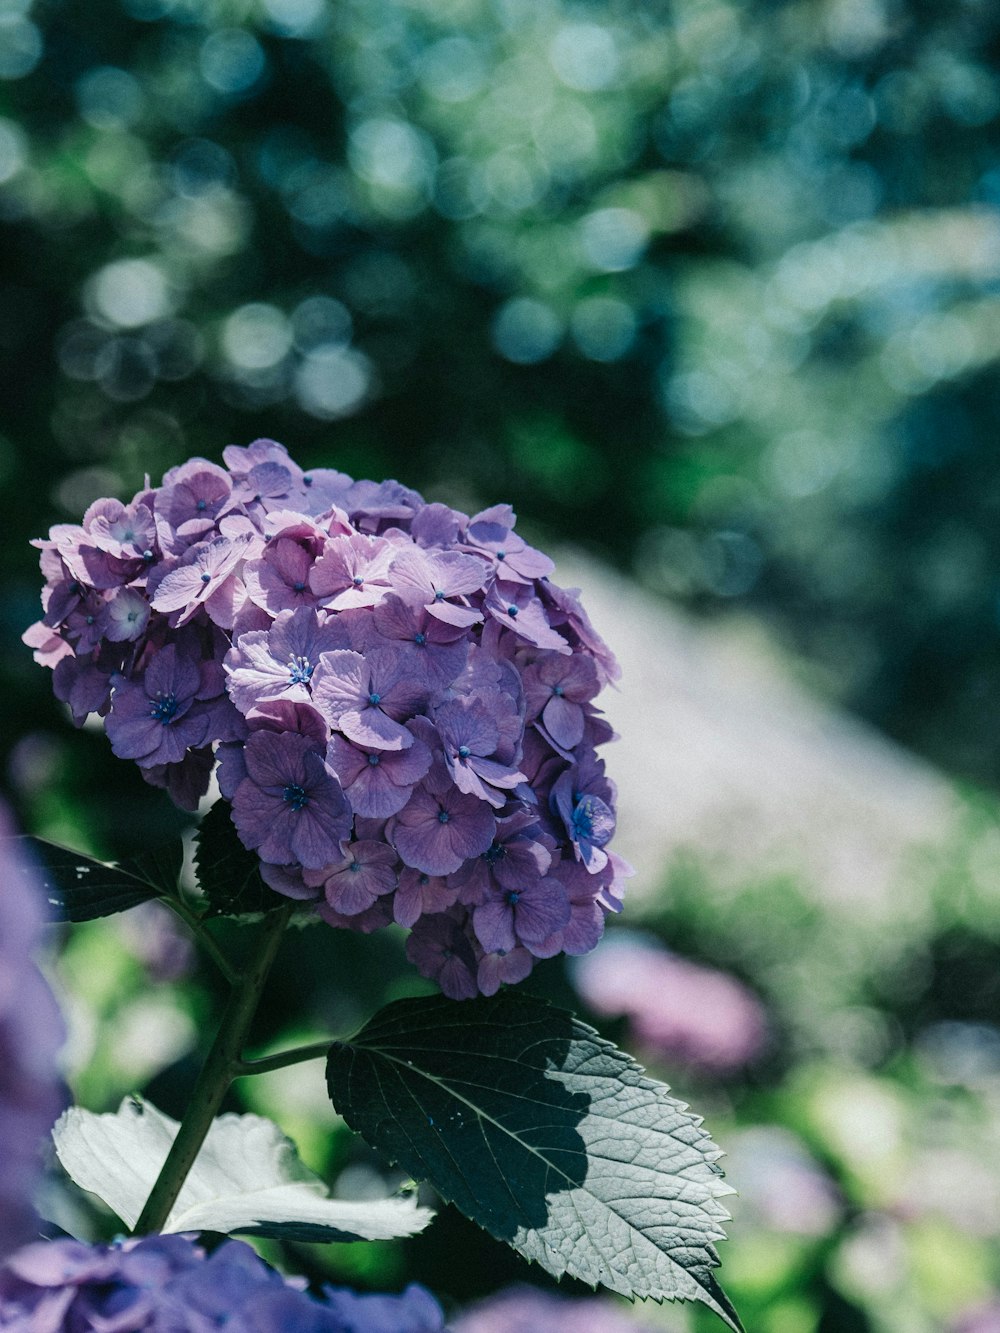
711,292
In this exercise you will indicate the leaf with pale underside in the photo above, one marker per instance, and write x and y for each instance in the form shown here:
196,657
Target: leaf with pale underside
247,1178
546,1135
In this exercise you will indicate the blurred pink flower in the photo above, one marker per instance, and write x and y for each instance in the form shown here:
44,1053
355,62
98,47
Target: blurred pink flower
681,1010
525,1310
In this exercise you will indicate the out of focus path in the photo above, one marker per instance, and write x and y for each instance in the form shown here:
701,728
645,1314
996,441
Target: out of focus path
724,754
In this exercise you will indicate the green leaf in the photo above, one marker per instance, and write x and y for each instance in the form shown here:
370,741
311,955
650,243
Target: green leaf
247,1178
544,1134
228,874
80,888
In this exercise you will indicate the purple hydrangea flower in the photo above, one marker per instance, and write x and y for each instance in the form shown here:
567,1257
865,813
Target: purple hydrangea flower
437,831
683,1010
433,579
369,697
366,873
440,950
165,1284
528,915
378,783
155,720
290,807
359,669
31,1033
279,662
526,1310
491,530
352,571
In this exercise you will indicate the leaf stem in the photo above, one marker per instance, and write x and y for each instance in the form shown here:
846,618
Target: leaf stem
294,1056
204,938
221,1066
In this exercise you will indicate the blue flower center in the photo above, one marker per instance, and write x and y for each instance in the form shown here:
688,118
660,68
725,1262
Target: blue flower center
501,555
494,854
147,556
300,670
443,816
295,796
201,506
514,897
464,752
558,691
206,578
298,587
90,620
583,823
438,595
420,638
358,581
374,760
164,706
307,481
354,867
512,612
374,700
424,879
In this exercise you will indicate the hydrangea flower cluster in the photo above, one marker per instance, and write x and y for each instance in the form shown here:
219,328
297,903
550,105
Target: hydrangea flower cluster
399,701
162,1284
31,1032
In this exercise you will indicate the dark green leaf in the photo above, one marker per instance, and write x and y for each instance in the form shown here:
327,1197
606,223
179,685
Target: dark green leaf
80,888
544,1134
159,867
228,874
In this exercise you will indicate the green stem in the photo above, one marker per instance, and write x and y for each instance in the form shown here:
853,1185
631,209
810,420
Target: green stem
295,1056
220,1068
204,938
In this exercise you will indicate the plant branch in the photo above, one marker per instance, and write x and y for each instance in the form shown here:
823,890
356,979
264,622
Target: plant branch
295,1056
204,938
220,1068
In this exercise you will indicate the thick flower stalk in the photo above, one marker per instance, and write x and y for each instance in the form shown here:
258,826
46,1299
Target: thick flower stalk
398,700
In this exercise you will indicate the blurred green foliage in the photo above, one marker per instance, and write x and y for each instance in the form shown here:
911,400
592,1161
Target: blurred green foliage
712,289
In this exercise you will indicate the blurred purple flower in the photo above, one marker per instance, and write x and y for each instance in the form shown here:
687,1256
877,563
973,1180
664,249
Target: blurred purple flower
679,1009
31,1033
527,1310
167,1284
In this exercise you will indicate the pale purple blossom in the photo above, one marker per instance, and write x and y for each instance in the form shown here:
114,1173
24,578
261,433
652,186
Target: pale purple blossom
527,1310
367,871
491,531
352,571
279,662
290,807
378,783
369,697
440,582
437,831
